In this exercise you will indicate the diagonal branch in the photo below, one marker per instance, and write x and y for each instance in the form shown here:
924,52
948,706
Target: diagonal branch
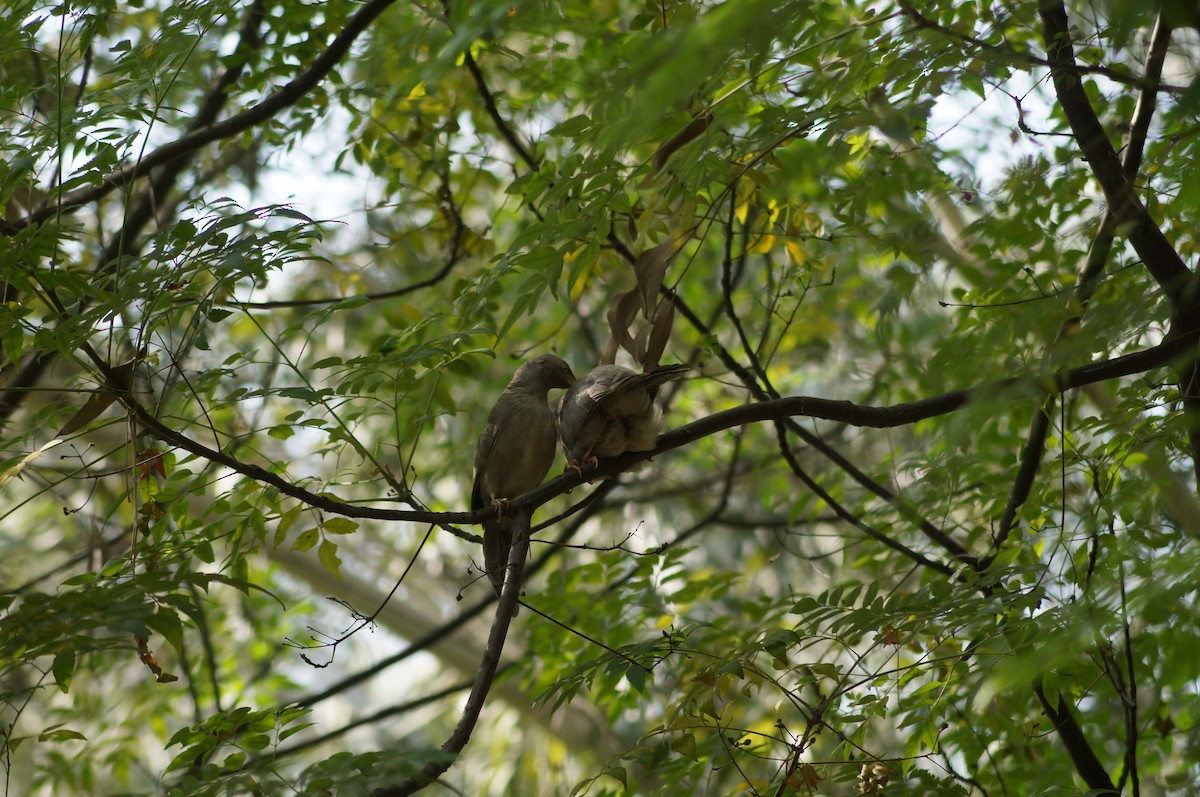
493,111
846,515
931,532
142,212
280,100
1086,282
458,739
1147,238
1082,755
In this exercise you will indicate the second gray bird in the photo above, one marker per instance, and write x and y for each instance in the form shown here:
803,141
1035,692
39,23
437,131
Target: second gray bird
611,411
515,451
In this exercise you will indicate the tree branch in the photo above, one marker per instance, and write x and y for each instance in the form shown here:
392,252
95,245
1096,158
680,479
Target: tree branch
767,393
1084,758
280,100
458,739
1116,75
845,514
1160,257
1086,282
493,111
884,417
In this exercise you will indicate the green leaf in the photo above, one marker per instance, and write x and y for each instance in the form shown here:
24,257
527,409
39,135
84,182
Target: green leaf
685,745
636,674
571,127
58,734
306,540
327,555
63,668
618,774
327,362
339,525
167,623
286,521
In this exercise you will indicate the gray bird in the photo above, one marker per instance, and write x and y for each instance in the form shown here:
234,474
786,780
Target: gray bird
611,411
515,451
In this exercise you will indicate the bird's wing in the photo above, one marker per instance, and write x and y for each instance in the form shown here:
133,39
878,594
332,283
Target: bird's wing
487,442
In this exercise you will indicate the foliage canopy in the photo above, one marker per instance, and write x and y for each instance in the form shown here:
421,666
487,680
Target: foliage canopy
925,517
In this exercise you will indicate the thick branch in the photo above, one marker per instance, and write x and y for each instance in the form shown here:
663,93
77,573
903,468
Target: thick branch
885,417
458,739
1088,279
280,100
1021,56
1160,257
1143,112
827,409
1031,460
1082,755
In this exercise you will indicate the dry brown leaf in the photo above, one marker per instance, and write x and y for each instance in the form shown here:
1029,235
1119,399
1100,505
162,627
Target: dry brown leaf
91,410
660,332
650,268
692,131
102,399
620,316
638,349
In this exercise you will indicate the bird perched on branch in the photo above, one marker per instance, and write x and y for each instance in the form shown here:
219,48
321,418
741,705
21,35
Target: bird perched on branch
515,451
611,411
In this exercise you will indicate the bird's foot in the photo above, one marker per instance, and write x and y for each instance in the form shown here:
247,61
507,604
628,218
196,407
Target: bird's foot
499,504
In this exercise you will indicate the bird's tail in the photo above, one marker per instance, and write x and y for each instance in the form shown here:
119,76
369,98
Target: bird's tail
497,541
658,376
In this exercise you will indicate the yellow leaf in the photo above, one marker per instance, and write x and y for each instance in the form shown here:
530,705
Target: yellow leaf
741,210
858,142
773,211
762,245
796,252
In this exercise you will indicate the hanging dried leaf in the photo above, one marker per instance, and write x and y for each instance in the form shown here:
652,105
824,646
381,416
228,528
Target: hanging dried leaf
90,411
650,268
638,350
102,399
620,317
692,131
660,332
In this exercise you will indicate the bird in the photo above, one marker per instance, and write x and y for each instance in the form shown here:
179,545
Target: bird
515,451
611,411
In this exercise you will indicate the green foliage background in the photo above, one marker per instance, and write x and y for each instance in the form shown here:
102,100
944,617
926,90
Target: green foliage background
265,266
